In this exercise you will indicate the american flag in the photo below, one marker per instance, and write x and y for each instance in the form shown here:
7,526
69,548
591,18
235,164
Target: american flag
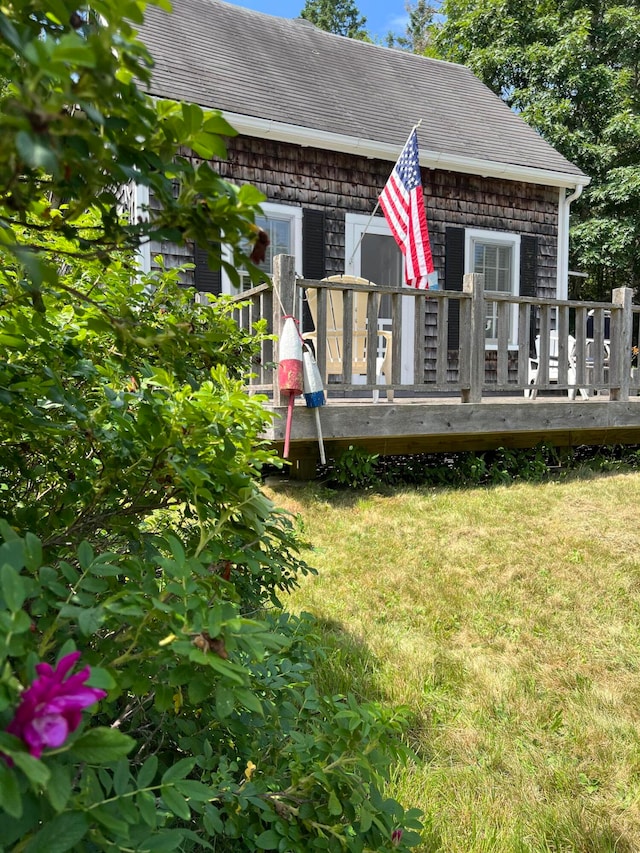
402,203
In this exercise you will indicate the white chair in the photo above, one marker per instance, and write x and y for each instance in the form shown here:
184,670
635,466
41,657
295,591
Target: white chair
553,367
592,362
335,334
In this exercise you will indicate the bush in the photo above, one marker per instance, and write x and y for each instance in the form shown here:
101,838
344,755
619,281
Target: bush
136,532
358,469
136,545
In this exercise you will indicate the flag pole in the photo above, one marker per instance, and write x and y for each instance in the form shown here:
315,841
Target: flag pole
366,227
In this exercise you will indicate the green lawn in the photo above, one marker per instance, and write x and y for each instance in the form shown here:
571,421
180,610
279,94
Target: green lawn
508,620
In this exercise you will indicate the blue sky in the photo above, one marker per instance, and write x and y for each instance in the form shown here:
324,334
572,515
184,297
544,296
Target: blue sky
381,15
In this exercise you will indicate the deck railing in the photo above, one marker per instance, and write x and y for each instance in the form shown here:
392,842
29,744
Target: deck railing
452,353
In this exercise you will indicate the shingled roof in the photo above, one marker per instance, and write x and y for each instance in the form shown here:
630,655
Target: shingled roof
286,79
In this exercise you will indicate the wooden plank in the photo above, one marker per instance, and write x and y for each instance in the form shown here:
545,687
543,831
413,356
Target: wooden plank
524,344
621,337
321,335
347,334
442,354
563,346
473,285
581,347
504,317
543,354
358,420
396,340
373,303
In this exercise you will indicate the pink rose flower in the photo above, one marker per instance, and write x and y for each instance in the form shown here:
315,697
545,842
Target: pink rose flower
51,708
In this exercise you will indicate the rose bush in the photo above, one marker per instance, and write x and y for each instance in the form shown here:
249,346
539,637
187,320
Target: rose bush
133,527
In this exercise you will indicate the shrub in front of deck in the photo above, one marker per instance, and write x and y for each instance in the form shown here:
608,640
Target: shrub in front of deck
133,529
135,532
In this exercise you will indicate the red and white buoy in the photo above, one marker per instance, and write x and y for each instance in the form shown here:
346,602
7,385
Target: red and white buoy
314,395
290,370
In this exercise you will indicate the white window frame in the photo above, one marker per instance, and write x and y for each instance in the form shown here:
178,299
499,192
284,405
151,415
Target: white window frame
274,211
357,224
496,238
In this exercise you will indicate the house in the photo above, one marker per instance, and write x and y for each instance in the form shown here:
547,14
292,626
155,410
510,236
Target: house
321,121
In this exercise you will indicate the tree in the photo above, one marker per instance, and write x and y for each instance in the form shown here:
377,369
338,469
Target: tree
570,69
336,16
76,126
418,34
134,531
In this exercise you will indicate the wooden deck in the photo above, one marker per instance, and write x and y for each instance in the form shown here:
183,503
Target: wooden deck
419,425
469,397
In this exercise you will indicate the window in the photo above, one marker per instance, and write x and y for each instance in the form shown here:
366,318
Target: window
495,255
283,224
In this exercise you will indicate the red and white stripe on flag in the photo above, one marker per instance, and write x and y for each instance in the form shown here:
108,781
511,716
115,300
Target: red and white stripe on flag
402,203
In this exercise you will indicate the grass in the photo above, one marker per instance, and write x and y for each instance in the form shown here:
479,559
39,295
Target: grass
508,620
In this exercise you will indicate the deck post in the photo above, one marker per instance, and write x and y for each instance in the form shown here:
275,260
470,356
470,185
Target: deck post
621,342
284,302
473,284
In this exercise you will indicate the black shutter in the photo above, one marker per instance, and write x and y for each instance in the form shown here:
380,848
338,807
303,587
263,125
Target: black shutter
529,279
313,254
205,279
313,244
453,276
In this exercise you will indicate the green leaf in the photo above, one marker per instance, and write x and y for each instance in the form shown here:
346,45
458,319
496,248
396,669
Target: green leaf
146,804
85,555
366,819
121,777
175,802
6,530
148,772
59,790
248,194
35,770
249,700
105,815
179,770
90,619
268,840
60,834
10,799
335,807
225,701
102,746
101,678
34,153
166,841
73,50
199,690
194,790
32,552
12,588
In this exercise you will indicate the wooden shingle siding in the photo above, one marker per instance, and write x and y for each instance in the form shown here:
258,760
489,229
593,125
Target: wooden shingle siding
339,183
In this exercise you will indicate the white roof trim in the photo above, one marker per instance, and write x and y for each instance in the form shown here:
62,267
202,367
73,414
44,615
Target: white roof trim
282,132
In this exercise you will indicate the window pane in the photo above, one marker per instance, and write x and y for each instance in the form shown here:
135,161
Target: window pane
381,260
281,243
381,263
495,262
